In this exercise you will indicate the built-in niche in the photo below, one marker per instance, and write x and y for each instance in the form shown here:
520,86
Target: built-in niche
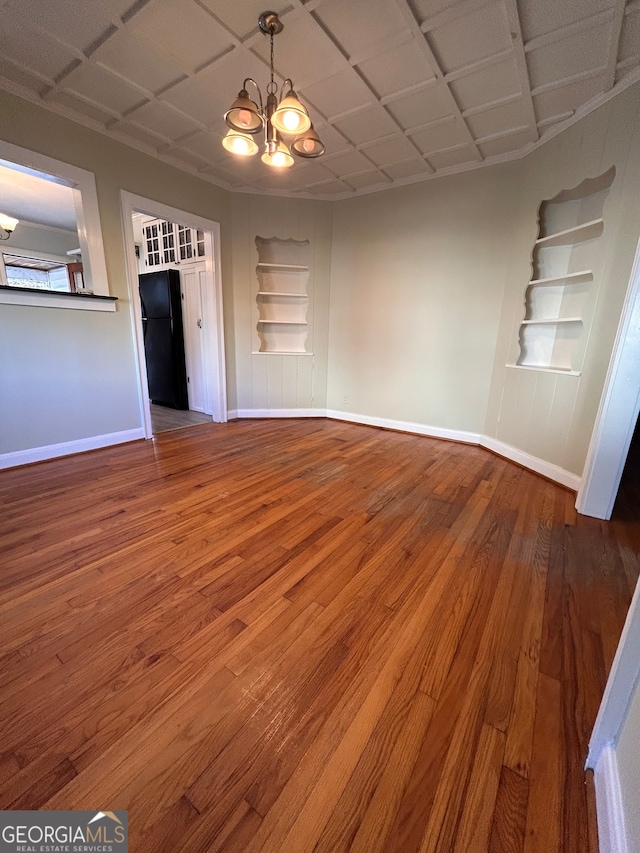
283,301
563,258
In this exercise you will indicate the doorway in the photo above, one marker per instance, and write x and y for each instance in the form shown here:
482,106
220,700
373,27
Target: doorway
201,294
618,412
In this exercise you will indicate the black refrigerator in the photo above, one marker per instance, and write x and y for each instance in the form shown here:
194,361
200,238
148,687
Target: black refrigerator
164,338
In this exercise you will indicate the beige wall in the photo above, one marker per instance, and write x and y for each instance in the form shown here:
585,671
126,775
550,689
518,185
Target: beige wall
548,415
416,296
428,286
65,374
416,291
628,756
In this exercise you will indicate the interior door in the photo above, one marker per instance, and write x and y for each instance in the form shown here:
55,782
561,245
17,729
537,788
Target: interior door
192,278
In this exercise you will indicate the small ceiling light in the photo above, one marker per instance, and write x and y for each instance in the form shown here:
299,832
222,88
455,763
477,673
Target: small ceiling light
8,225
288,117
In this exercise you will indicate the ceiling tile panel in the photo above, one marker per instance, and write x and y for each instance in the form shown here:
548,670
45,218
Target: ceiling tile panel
76,24
226,76
102,88
573,55
539,17
391,151
338,94
366,179
630,39
83,109
100,61
162,120
421,108
566,98
458,157
360,24
498,119
345,164
493,147
367,125
397,69
440,137
473,37
181,31
21,78
302,51
201,103
242,18
207,146
17,40
139,134
424,9
132,57
187,157
489,84
330,188
408,169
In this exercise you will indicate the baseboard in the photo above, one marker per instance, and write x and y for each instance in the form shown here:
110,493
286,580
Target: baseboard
612,836
66,448
276,413
533,463
406,426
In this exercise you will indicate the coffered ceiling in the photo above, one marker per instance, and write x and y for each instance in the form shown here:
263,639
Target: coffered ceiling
398,90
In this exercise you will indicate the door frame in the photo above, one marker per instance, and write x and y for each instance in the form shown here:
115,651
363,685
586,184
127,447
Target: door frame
618,411
215,368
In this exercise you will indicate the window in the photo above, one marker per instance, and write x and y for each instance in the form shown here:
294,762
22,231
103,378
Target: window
39,274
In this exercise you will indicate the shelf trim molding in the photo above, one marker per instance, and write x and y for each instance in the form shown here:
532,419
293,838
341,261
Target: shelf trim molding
582,232
550,321
540,282
543,369
282,293
298,267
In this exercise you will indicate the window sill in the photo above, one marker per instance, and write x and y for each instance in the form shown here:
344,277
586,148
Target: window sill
56,299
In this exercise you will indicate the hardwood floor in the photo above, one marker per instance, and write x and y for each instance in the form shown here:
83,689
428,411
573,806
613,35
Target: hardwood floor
164,418
306,636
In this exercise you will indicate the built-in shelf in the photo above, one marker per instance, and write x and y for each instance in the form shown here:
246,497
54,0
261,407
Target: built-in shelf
300,267
583,275
282,297
539,321
553,324
282,322
561,370
282,293
577,234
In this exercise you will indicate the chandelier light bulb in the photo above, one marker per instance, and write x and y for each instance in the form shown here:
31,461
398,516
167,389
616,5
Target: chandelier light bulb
291,120
240,143
308,145
244,118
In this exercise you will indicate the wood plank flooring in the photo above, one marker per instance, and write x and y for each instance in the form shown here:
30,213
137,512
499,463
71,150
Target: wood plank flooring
306,636
164,418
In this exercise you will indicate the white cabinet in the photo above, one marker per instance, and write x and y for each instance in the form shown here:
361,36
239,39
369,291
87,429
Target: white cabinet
169,244
282,298
562,262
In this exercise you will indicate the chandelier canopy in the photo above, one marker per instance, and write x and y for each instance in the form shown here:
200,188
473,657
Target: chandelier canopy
277,118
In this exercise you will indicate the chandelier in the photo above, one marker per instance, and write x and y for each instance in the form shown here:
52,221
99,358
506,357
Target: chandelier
285,117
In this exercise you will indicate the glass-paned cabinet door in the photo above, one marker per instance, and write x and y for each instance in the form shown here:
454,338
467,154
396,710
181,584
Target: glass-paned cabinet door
168,242
200,249
185,243
152,244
